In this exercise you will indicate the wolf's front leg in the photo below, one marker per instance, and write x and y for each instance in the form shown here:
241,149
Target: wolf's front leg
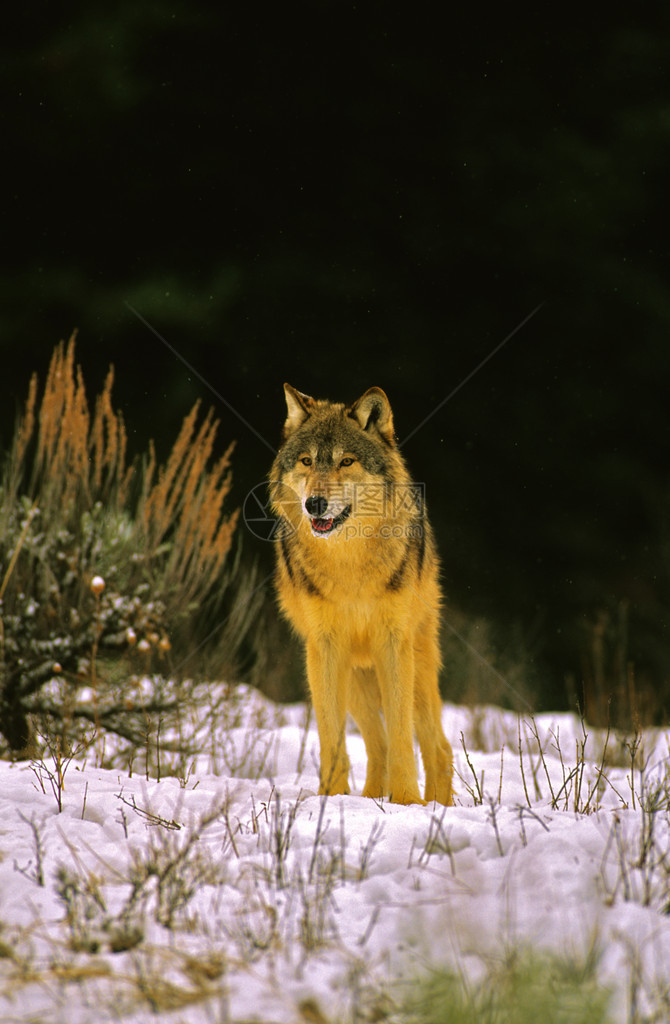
395,670
365,705
328,680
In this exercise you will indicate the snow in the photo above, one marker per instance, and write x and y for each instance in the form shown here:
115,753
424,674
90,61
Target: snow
237,893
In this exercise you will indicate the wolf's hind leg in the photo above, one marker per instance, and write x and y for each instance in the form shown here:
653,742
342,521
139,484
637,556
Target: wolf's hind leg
436,751
365,705
437,757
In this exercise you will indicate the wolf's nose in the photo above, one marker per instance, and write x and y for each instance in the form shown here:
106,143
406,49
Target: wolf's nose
316,506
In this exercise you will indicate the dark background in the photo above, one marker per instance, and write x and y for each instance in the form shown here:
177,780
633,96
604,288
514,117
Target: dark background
346,195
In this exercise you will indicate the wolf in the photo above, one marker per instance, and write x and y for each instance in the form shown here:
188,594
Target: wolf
357,577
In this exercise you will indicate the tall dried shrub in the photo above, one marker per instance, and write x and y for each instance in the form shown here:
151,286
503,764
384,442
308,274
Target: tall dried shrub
73,508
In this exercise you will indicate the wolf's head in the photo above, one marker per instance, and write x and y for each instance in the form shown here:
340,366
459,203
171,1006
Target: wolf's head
336,462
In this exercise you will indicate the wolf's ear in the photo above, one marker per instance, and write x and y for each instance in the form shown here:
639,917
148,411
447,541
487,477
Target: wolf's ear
373,413
298,407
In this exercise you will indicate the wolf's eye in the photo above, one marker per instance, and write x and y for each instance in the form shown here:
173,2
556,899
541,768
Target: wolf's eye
348,461
306,460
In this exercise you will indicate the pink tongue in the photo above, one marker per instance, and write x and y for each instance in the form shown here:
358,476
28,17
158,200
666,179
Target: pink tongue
323,525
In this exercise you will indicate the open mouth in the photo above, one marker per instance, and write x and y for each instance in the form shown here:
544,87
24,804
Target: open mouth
323,526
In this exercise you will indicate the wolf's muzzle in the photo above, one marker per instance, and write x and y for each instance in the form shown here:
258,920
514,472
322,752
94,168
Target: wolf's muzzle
316,507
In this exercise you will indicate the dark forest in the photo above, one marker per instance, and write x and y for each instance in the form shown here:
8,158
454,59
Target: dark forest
467,212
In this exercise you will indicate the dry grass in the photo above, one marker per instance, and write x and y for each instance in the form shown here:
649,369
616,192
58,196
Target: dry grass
185,503
76,459
80,460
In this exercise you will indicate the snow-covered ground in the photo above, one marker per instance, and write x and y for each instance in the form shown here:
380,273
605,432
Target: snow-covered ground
244,896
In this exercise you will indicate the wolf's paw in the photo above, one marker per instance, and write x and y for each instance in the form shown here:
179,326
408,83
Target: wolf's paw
442,793
400,795
375,789
333,790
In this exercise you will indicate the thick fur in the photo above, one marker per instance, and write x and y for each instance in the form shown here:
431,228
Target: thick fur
357,576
